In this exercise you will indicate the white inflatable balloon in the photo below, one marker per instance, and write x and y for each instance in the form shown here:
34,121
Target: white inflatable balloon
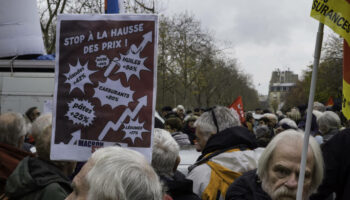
20,32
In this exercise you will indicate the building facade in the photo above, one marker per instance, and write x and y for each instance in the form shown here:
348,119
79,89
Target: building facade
281,82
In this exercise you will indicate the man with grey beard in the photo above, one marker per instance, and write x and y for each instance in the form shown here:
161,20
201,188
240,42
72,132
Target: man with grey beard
277,174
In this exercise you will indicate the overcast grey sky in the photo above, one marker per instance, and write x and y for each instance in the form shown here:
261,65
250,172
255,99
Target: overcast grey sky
264,35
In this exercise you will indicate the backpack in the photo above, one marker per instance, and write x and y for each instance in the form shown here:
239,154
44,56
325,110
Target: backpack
221,177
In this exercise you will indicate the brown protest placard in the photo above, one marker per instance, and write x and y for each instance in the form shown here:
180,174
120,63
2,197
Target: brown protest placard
105,84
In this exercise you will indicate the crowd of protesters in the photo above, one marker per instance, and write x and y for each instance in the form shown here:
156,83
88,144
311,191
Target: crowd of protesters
258,158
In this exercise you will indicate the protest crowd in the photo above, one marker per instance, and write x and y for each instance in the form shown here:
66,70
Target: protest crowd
102,137
258,158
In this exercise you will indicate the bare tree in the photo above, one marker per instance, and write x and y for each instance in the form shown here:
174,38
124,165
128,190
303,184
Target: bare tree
329,81
140,6
192,71
49,9
333,48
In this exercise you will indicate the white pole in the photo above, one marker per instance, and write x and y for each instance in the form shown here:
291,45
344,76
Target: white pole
317,55
121,6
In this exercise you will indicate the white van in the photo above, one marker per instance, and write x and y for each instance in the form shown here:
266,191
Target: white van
26,83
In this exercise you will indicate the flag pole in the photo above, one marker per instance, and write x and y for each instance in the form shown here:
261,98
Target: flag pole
317,55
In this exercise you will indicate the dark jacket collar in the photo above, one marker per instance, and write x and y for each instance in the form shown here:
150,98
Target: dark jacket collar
234,137
32,175
178,183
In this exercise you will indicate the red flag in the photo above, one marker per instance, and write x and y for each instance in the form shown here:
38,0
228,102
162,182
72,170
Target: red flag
330,102
238,106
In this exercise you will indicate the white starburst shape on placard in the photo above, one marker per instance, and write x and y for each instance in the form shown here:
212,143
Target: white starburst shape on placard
78,76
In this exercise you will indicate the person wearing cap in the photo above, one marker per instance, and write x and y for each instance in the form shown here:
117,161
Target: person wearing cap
165,111
285,124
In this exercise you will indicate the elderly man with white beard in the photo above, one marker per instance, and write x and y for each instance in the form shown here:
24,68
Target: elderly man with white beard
277,174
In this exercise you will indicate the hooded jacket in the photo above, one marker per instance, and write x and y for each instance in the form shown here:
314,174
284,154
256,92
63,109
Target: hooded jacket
36,179
225,157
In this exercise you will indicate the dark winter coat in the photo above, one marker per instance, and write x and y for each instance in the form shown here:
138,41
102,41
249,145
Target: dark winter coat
10,156
179,188
234,137
329,135
190,132
247,187
337,168
35,179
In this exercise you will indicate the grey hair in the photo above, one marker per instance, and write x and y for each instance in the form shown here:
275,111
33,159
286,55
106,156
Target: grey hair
271,116
41,123
317,113
122,174
289,122
294,114
180,107
165,151
41,131
225,117
319,106
262,131
293,135
328,121
12,128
